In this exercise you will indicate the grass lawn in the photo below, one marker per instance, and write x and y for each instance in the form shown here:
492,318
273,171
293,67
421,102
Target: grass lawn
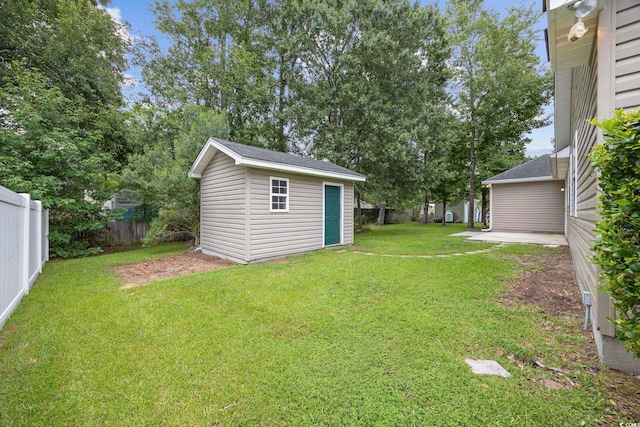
411,239
327,338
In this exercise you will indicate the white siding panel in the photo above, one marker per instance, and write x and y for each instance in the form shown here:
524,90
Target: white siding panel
528,207
275,234
222,208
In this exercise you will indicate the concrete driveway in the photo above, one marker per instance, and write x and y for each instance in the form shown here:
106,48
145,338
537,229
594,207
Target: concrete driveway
505,237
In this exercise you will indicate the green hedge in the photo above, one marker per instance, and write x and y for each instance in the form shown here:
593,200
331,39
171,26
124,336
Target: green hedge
617,248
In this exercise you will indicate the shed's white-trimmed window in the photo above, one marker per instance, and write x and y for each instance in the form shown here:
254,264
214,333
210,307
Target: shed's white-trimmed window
279,194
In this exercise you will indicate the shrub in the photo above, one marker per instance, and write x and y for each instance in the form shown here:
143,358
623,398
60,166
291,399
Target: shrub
618,231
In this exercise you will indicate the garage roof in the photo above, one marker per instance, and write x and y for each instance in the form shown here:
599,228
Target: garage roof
538,169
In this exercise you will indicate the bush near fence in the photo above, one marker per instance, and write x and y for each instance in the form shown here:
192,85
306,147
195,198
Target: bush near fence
24,247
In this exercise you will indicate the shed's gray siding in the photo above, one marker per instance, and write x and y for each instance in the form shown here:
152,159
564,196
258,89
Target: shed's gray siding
539,207
347,213
222,208
236,221
276,234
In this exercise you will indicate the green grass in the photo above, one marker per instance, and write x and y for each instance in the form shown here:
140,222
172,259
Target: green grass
328,338
416,239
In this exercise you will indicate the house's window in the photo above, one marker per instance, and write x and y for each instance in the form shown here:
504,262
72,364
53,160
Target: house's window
570,181
279,194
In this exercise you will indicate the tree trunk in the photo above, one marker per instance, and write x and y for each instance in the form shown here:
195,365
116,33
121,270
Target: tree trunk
282,140
484,206
359,212
426,208
381,213
223,65
472,178
444,203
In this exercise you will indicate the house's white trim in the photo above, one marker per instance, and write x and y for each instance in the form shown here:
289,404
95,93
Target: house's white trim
324,186
516,180
271,194
212,146
490,208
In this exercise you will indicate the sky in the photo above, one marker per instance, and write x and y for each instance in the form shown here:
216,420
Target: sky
137,14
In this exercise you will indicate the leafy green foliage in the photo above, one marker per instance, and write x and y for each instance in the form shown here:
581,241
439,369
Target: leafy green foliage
61,126
374,77
618,242
171,140
355,82
46,153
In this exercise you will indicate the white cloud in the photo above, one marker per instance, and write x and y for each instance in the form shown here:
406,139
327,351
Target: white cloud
538,148
121,27
129,81
113,12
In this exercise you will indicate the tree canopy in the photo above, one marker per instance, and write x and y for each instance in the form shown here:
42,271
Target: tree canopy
392,89
499,84
61,65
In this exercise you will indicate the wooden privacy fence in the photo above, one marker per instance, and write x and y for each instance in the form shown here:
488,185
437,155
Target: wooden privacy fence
24,247
121,233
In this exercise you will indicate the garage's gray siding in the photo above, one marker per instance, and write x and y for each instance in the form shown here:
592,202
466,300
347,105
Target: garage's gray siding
627,59
222,208
276,234
539,207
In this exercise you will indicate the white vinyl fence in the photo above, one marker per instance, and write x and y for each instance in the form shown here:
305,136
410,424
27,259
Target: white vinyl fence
24,247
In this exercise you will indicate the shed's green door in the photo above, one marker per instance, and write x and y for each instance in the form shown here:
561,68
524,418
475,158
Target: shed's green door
331,215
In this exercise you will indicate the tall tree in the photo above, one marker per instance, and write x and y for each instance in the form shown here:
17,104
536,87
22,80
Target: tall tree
373,72
218,58
499,86
46,153
61,66
158,174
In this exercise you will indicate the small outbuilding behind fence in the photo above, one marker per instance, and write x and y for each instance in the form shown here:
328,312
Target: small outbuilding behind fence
257,204
24,247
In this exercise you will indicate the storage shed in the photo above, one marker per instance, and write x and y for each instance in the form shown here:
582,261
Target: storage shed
528,198
257,204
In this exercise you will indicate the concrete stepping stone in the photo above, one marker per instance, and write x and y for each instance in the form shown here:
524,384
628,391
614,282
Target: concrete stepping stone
487,367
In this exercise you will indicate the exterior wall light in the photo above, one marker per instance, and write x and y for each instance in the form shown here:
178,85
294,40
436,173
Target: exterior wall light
577,31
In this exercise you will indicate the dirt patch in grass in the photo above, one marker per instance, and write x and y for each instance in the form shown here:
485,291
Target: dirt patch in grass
165,268
548,283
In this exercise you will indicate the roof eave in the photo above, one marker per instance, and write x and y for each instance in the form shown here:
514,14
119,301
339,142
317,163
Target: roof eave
563,54
212,147
517,180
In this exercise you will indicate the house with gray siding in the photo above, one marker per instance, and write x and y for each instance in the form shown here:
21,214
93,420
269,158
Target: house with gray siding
257,204
594,75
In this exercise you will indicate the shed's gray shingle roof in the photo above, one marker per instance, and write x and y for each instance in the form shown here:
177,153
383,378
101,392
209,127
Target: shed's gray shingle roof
257,153
540,167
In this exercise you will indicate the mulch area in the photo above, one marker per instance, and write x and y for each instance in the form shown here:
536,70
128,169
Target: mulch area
150,271
548,283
